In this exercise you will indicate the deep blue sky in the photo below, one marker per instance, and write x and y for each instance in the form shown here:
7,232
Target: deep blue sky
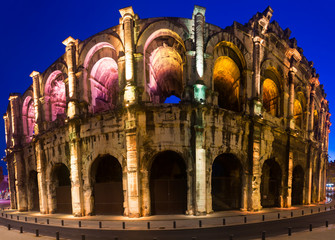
31,33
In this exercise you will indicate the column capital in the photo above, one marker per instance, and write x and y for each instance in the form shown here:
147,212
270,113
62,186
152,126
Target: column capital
34,74
127,12
68,41
293,70
198,10
314,81
293,53
13,96
258,40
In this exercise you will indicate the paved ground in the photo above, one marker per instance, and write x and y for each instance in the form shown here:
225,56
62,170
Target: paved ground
198,226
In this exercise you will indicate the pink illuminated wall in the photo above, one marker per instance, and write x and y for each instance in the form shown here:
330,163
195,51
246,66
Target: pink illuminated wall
28,117
104,84
55,93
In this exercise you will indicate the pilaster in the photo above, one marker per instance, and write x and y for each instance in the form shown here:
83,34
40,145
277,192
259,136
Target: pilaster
37,105
72,109
256,78
76,177
41,177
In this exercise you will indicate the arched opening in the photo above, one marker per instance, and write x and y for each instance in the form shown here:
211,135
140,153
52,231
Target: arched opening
226,183
56,95
28,118
164,68
270,97
271,184
104,84
34,202
62,184
297,185
106,179
168,184
226,76
298,114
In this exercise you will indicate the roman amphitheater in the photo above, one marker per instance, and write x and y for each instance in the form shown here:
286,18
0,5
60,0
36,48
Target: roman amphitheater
170,116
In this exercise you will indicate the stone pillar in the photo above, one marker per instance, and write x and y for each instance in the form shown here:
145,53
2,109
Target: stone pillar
37,105
128,41
72,109
130,98
200,166
11,182
288,200
199,21
311,110
76,177
291,98
256,78
19,164
255,186
308,188
41,177
132,167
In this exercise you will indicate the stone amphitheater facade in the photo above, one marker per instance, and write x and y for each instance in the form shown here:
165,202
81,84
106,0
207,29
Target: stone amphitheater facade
95,134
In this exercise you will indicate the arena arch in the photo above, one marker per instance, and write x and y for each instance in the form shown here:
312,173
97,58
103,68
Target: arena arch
271,91
34,202
168,184
106,182
60,187
164,60
101,77
298,185
271,184
55,96
226,181
28,117
229,64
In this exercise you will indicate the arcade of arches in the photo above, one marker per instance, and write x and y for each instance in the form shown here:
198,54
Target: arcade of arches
170,116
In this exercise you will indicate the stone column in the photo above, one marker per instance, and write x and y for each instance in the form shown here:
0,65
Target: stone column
11,182
256,78
19,164
132,167
72,109
41,178
308,188
288,200
200,165
199,21
37,105
255,186
291,99
128,41
130,98
311,110
76,177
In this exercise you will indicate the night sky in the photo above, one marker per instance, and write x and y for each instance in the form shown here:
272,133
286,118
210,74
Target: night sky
32,33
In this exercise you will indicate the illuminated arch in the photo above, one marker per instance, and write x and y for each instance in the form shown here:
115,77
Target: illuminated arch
101,77
298,114
55,95
270,97
28,118
164,63
104,84
226,76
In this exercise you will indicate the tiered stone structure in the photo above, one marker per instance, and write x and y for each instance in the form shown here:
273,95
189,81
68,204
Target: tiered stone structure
94,134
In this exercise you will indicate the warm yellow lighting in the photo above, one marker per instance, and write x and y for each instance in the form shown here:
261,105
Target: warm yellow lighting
270,96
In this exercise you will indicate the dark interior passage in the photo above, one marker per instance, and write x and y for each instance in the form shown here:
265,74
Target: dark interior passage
107,187
297,185
63,189
168,184
33,187
271,184
226,183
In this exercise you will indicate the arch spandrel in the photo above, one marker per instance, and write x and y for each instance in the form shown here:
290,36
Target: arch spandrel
225,38
98,42
160,28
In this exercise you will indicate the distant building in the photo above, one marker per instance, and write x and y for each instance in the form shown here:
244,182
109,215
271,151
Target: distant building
93,134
